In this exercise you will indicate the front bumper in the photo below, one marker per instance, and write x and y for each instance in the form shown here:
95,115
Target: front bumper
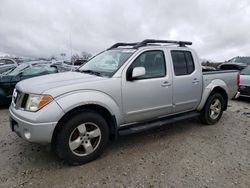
28,125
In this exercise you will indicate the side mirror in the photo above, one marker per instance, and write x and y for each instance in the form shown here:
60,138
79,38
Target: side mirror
138,71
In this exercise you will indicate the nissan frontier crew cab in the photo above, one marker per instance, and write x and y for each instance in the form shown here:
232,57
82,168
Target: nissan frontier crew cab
128,88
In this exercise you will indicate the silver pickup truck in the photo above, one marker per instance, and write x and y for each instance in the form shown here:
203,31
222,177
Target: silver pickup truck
128,88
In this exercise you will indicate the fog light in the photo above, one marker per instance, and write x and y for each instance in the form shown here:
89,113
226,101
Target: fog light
27,134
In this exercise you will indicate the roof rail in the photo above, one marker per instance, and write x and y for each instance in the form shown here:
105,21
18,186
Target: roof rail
122,44
148,41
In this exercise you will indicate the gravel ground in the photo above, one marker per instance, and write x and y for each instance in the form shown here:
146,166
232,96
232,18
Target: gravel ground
184,154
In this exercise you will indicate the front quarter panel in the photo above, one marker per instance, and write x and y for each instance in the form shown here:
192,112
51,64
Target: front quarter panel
50,113
70,101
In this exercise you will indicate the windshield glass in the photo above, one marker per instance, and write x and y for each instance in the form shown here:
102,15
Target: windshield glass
245,71
108,62
17,70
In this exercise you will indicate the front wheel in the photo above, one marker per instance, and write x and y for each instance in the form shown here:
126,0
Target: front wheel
82,138
213,109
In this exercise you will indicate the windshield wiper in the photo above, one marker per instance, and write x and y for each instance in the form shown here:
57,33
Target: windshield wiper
90,72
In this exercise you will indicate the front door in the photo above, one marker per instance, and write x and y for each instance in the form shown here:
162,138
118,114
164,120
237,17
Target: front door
149,96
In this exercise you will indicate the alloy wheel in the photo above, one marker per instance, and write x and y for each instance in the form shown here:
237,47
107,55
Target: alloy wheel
84,139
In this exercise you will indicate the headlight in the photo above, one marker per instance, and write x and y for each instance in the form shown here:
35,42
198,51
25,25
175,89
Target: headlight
36,102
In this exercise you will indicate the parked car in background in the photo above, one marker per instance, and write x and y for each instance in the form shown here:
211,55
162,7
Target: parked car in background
72,65
9,79
65,65
245,82
80,62
207,68
232,66
7,64
240,59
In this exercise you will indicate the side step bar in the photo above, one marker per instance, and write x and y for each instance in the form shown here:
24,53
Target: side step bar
136,128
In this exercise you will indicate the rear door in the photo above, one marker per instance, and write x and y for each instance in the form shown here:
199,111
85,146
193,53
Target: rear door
187,80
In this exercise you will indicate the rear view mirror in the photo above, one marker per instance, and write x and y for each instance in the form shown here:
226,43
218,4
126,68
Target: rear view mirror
138,71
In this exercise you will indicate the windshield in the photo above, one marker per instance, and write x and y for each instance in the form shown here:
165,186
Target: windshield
245,71
17,70
107,63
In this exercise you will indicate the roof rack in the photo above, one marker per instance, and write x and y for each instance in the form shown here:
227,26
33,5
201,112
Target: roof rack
122,44
150,41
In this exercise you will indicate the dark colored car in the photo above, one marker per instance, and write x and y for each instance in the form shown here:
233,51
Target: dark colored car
208,68
9,79
245,82
80,62
7,64
232,66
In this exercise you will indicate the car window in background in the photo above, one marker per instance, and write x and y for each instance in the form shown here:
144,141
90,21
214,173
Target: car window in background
9,62
17,70
38,70
79,62
245,71
2,61
63,69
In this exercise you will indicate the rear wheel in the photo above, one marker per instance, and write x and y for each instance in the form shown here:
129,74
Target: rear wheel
213,109
82,138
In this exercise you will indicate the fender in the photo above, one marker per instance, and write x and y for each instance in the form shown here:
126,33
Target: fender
75,99
208,90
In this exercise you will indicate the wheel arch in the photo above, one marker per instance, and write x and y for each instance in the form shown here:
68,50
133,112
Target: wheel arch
105,113
223,94
217,86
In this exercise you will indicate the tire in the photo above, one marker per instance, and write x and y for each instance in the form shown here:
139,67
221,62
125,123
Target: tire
213,109
82,138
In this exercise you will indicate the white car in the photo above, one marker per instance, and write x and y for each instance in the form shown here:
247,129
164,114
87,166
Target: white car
7,64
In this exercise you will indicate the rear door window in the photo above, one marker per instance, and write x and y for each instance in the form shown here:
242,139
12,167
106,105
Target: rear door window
183,62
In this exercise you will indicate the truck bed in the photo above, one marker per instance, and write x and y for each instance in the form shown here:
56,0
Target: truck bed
229,77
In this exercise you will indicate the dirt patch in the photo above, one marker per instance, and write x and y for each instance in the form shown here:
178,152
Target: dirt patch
185,154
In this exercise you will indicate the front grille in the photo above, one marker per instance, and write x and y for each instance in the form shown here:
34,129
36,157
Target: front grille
24,100
19,99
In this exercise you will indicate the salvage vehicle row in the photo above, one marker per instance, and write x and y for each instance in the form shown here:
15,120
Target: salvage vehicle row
10,78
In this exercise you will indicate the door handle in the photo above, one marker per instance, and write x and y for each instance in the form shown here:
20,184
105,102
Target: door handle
165,84
195,80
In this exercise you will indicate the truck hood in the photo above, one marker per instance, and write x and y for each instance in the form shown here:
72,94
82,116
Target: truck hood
40,84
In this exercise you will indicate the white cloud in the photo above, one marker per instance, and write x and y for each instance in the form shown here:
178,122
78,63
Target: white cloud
218,29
